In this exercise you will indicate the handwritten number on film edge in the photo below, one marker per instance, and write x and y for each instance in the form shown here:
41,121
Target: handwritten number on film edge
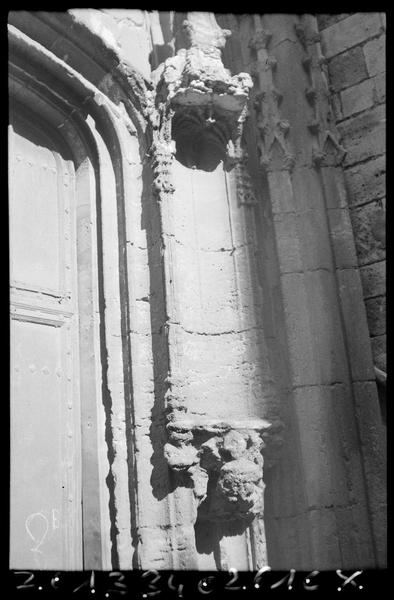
88,582
307,582
173,587
203,585
152,583
348,580
229,585
258,576
55,580
26,585
289,577
119,587
206,585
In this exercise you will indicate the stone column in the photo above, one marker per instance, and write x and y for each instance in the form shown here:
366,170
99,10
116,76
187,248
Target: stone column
215,448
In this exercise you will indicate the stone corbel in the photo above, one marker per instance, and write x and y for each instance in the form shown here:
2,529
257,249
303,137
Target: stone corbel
206,100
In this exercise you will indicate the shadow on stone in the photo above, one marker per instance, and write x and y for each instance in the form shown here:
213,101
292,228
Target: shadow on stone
160,481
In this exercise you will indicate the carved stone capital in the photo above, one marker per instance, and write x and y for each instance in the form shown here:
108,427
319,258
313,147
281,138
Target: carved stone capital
225,462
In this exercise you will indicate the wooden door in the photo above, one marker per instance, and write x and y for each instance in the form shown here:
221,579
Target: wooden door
45,490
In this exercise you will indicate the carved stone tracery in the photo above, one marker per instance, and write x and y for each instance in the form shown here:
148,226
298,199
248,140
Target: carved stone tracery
275,153
326,149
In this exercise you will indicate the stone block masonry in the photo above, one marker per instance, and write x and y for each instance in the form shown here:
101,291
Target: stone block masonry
354,45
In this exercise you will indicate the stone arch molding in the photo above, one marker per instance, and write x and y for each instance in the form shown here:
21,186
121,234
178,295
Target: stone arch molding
74,39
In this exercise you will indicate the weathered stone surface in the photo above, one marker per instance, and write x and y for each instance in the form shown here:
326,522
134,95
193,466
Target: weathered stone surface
304,243
376,315
354,315
314,327
358,98
364,135
327,20
325,479
306,193
369,232
350,31
367,181
375,55
291,529
342,237
380,87
289,244
373,440
124,30
356,50
334,183
379,352
337,106
326,547
373,279
283,200
353,539
314,239
347,69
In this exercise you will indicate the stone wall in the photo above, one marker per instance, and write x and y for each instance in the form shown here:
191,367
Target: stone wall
354,45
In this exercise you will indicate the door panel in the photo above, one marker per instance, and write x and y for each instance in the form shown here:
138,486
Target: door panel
45,503
37,407
34,215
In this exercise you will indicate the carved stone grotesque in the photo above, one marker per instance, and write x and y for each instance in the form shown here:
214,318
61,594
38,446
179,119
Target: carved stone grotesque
226,468
235,467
